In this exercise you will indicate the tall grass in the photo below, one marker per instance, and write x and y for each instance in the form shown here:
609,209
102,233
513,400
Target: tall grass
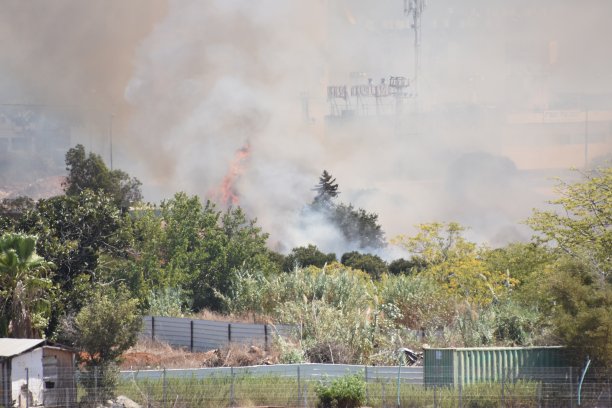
273,390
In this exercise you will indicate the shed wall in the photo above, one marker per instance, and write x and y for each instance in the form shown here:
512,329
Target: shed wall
5,382
32,361
60,384
471,365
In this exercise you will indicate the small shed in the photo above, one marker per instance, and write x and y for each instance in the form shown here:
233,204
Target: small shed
469,365
37,373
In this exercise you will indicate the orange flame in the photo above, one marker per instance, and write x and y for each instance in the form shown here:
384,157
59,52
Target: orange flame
226,193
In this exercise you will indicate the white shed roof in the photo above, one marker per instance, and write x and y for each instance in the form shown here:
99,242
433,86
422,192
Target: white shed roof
14,347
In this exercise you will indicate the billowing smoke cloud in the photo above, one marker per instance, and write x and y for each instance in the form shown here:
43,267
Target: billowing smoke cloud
192,82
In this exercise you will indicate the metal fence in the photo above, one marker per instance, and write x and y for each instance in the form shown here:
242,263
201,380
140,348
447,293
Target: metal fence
204,335
296,385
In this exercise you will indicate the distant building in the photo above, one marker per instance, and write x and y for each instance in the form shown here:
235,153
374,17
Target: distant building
36,372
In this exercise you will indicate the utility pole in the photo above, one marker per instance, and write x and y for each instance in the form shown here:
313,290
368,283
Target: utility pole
586,138
110,137
414,9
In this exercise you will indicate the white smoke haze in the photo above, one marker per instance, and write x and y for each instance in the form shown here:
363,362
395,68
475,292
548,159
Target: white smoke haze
192,82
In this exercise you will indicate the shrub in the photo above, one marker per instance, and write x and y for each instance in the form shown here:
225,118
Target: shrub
166,302
343,392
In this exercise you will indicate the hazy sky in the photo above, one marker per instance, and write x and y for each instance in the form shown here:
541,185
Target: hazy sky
189,83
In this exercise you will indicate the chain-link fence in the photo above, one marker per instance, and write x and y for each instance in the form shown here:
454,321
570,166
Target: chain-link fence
295,386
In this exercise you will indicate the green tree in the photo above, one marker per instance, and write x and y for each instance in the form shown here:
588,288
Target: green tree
358,227
456,263
105,336
519,260
104,329
372,264
243,248
197,249
73,232
403,266
11,209
582,315
581,227
580,234
25,287
307,256
90,172
327,189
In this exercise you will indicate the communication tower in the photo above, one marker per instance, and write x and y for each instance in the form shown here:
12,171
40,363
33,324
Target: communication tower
414,9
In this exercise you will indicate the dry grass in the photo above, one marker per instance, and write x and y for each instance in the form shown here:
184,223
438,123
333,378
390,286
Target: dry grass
151,355
251,318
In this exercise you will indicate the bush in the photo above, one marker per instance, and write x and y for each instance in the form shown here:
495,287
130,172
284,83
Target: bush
372,264
344,392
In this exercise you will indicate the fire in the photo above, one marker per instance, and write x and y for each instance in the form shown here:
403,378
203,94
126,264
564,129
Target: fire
226,193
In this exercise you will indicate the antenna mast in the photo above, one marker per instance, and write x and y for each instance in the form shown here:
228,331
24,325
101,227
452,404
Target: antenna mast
414,9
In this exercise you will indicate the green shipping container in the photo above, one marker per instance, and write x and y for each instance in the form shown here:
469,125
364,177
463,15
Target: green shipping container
454,366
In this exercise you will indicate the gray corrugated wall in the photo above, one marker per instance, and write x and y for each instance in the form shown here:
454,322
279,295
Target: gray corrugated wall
409,375
204,335
470,365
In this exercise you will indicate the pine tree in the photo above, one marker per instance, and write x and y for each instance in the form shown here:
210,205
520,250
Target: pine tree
327,189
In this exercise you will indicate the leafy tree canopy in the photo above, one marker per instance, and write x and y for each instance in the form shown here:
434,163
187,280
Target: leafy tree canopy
372,264
403,266
579,281
90,172
358,227
520,261
25,287
582,228
103,335
73,231
307,256
455,262
196,248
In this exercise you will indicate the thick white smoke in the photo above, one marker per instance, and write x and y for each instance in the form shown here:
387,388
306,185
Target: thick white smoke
192,82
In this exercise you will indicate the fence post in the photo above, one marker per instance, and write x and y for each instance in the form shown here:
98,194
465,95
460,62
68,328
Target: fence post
571,387
232,401
460,392
305,395
460,385
152,328
502,386
367,401
164,388
229,332
27,394
298,384
384,397
96,383
191,335
266,337
435,400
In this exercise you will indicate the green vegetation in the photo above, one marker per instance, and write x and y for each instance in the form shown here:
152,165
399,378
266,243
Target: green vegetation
88,172
348,391
248,390
25,288
356,225
301,257
65,258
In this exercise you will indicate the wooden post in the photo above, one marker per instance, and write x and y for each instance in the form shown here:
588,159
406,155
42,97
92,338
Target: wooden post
366,385
152,328
229,332
266,337
191,336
